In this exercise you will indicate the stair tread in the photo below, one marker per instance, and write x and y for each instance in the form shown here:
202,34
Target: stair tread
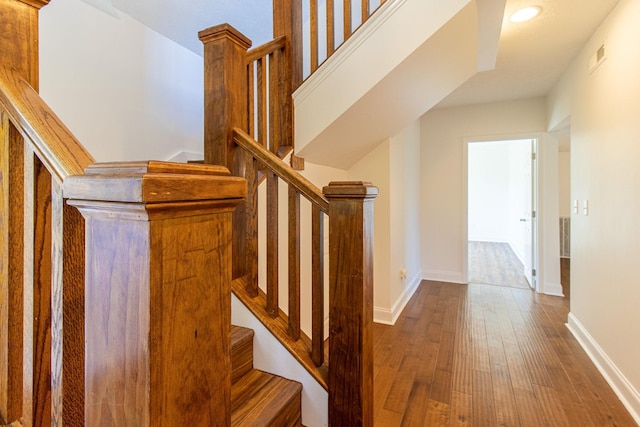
259,399
239,334
241,352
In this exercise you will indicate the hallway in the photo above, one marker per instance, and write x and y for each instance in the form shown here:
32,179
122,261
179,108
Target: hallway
482,355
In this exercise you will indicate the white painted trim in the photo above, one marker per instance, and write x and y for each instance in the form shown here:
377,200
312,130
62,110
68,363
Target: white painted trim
554,289
628,395
382,15
444,276
389,316
538,246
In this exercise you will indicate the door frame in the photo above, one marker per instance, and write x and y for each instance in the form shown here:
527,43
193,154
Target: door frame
536,191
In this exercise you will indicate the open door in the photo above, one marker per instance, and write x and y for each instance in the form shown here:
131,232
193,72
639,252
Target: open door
528,218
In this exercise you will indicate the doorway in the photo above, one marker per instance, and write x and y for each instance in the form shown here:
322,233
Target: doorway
501,212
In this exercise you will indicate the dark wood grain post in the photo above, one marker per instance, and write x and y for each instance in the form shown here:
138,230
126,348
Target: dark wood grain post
225,108
350,303
19,37
225,91
158,253
287,21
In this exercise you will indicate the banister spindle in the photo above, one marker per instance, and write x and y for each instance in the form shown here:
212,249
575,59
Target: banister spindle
350,303
272,243
346,22
313,44
294,263
262,103
331,28
251,211
365,10
275,121
317,285
11,271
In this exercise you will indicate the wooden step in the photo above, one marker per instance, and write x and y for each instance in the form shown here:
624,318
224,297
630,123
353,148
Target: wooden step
241,352
262,399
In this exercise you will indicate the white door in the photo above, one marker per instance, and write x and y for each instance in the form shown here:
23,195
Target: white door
528,218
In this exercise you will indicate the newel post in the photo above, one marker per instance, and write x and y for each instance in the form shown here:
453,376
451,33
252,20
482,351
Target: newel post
225,91
350,303
19,37
158,253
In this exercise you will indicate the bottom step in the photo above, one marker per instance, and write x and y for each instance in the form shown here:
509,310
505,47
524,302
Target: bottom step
261,399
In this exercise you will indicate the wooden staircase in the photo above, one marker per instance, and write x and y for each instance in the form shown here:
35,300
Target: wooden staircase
115,278
257,397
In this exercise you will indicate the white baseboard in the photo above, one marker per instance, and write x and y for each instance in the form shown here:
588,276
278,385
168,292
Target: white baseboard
388,316
554,289
443,276
625,391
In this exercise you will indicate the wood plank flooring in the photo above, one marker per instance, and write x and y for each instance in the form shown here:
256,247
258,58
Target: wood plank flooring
481,355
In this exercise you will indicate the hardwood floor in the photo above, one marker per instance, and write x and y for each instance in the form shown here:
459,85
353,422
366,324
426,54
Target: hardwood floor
494,263
481,355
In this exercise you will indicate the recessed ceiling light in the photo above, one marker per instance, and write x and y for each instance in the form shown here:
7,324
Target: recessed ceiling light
526,14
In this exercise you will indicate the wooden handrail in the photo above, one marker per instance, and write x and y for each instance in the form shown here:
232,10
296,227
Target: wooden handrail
52,141
266,49
280,168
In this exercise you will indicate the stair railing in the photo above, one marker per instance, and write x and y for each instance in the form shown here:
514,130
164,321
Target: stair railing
315,32
41,263
229,79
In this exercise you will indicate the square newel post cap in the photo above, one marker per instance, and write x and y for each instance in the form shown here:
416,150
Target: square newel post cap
223,31
155,182
350,190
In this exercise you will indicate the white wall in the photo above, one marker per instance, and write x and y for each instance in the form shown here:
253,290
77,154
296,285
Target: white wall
394,167
489,192
605,248
444,135
564,183
126,92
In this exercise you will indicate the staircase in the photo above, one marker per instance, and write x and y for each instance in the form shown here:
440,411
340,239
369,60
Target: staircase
259,398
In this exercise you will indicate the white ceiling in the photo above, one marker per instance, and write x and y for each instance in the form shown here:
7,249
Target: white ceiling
531,56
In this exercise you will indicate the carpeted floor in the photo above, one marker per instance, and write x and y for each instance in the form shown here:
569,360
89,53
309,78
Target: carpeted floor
495,264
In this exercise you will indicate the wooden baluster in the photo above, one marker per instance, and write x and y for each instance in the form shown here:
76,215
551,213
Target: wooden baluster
285,99
275,121
252,226
313,42
317,285
158,290
287,21
42,273
350,303
346,22
272,243
251,83
263,137
294,263
331,29
11,272
365,11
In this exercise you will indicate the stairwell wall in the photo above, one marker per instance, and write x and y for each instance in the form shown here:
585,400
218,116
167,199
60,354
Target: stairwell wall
125,91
